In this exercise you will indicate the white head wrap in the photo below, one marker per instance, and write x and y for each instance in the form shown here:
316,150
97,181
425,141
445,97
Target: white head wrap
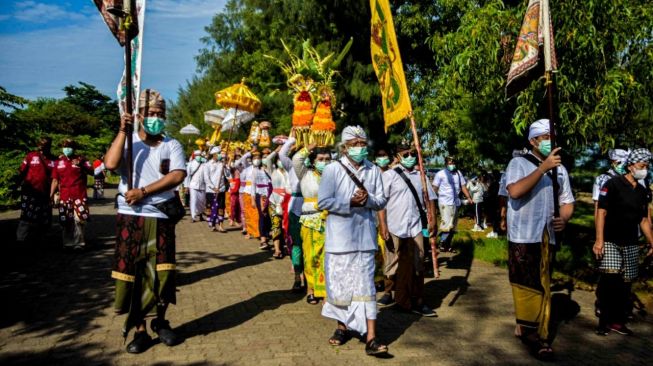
215,150
197,152
353,132
618,155
538,128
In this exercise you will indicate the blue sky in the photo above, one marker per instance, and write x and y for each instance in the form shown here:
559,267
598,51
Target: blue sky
48,44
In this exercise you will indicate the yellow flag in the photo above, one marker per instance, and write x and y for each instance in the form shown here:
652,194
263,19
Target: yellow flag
387,64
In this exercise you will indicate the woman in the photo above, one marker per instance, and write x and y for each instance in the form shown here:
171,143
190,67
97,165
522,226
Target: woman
309,163
279,200
622,211
262,187
69,176
234,187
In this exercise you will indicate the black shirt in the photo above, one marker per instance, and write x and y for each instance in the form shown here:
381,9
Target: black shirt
626,206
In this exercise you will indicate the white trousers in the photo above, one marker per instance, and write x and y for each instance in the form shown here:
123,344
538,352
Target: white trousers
197,203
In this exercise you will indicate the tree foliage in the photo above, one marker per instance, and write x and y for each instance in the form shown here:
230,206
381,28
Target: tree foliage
456,55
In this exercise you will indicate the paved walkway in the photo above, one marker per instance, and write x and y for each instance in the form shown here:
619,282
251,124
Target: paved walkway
234,308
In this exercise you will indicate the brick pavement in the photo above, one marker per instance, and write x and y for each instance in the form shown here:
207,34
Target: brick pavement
234,308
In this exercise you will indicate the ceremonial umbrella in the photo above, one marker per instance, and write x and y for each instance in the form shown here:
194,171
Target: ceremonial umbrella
189,129
239,97
234,118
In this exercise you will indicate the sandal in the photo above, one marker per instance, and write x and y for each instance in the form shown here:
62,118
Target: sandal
311,299
372,347
264,246
297,286
339,337
542,351
278,255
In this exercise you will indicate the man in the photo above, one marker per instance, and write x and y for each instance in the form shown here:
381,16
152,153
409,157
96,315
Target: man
447,184
144,265
618,159
69,176
215,179
294,214
531,235
351,190
402,225
197,186
35,173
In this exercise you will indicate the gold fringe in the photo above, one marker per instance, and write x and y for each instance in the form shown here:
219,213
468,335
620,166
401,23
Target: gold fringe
122,276
166,267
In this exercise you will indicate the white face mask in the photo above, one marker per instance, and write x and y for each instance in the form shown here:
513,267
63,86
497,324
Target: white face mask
256,162
640,173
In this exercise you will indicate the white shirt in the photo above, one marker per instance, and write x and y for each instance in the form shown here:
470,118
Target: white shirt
449,185
213,176
196,174
296,200
476,190
528,215
310,186
243,166
402,212
150,165
247,181
350,229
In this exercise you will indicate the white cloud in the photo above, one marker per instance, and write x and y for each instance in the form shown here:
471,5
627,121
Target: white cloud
34,12
42,62
186,8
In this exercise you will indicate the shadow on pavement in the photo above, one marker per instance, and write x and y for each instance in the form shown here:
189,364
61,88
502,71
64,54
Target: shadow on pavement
237,261
56,292
236,314
71,355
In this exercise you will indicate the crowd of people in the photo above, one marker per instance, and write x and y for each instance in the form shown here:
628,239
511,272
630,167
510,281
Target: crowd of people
351,223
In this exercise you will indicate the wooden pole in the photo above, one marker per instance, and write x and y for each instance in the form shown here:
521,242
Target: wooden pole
430,215
129,108
224,161
552,132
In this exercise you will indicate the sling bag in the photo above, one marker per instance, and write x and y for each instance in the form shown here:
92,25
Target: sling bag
422,212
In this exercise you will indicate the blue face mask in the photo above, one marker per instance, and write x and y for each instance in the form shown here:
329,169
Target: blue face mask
357,153
409,162
382,161
153,125
620,168
320,165
544,147
68,151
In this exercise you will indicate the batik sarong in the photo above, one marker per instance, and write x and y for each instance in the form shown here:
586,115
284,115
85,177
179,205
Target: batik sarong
530,279
98,187
351,295
234,208
296,251
143,266
217,209
262,211
73,214
312,233
34,211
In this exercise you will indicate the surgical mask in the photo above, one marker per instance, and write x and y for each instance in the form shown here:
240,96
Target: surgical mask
219,157
409,162
357,153
256,162
382,161
320,165
640,173
153,125
451,167
620,168
198,159
67,151
279,164
544,147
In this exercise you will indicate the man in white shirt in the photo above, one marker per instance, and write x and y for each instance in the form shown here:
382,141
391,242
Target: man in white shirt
531,234
351,190
144,260
197,186
448,183
214,176
403,225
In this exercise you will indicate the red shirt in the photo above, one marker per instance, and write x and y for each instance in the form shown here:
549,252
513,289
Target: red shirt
39,168
72,178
